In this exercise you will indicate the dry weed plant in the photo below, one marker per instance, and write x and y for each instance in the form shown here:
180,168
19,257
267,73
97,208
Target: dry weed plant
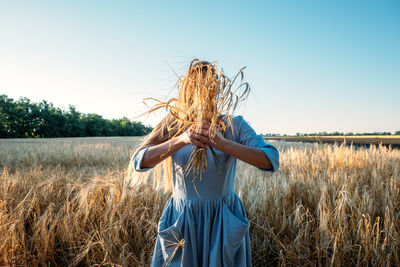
64,202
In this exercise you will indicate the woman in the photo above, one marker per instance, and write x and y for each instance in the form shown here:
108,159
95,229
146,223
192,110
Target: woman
204,222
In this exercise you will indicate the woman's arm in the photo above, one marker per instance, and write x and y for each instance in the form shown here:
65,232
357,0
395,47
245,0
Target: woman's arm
158,153
248,154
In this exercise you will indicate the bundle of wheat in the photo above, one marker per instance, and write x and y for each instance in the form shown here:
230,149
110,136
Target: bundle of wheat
204,96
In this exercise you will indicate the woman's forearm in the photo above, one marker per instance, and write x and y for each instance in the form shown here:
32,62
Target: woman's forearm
157,153
251,155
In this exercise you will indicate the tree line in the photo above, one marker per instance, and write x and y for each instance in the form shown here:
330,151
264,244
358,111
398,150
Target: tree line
24,118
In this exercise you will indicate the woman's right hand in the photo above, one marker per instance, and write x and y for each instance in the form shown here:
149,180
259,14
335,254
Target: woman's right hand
196,137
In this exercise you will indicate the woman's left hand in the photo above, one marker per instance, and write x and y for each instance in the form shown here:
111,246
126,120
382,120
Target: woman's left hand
212,138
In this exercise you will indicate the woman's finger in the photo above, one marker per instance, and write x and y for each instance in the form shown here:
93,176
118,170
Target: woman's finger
199,138
200,131
197,143
203,133
202,139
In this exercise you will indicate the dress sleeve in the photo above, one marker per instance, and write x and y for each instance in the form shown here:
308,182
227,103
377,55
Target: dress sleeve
246,135
138,158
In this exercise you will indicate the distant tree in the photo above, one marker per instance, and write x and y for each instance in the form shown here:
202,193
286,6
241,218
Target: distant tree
95,125
51,121
8,118
74,127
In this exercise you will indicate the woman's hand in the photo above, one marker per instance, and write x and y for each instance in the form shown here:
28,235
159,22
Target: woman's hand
197,138
215,138
203,137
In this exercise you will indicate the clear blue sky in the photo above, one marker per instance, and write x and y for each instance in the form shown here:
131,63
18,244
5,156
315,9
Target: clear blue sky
313,65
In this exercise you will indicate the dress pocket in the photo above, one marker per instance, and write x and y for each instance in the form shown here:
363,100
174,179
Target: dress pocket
171,238
234,229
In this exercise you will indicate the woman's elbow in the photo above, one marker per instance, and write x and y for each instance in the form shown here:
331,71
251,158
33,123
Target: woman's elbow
138,158
272,161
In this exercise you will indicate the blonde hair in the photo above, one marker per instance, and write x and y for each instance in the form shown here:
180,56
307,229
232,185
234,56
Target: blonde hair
203,95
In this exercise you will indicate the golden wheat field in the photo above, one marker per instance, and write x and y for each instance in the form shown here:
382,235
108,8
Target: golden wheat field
64,202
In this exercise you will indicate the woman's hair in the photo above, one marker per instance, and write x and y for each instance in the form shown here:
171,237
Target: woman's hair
200,74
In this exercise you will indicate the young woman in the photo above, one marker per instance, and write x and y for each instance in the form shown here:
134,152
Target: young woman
204,222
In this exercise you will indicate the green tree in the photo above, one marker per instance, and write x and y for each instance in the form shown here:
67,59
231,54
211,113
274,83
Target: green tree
74,127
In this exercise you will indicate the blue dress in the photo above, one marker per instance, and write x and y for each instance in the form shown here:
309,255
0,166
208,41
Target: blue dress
210,227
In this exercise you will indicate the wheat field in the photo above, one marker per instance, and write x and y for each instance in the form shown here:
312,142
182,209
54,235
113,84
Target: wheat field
64,202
